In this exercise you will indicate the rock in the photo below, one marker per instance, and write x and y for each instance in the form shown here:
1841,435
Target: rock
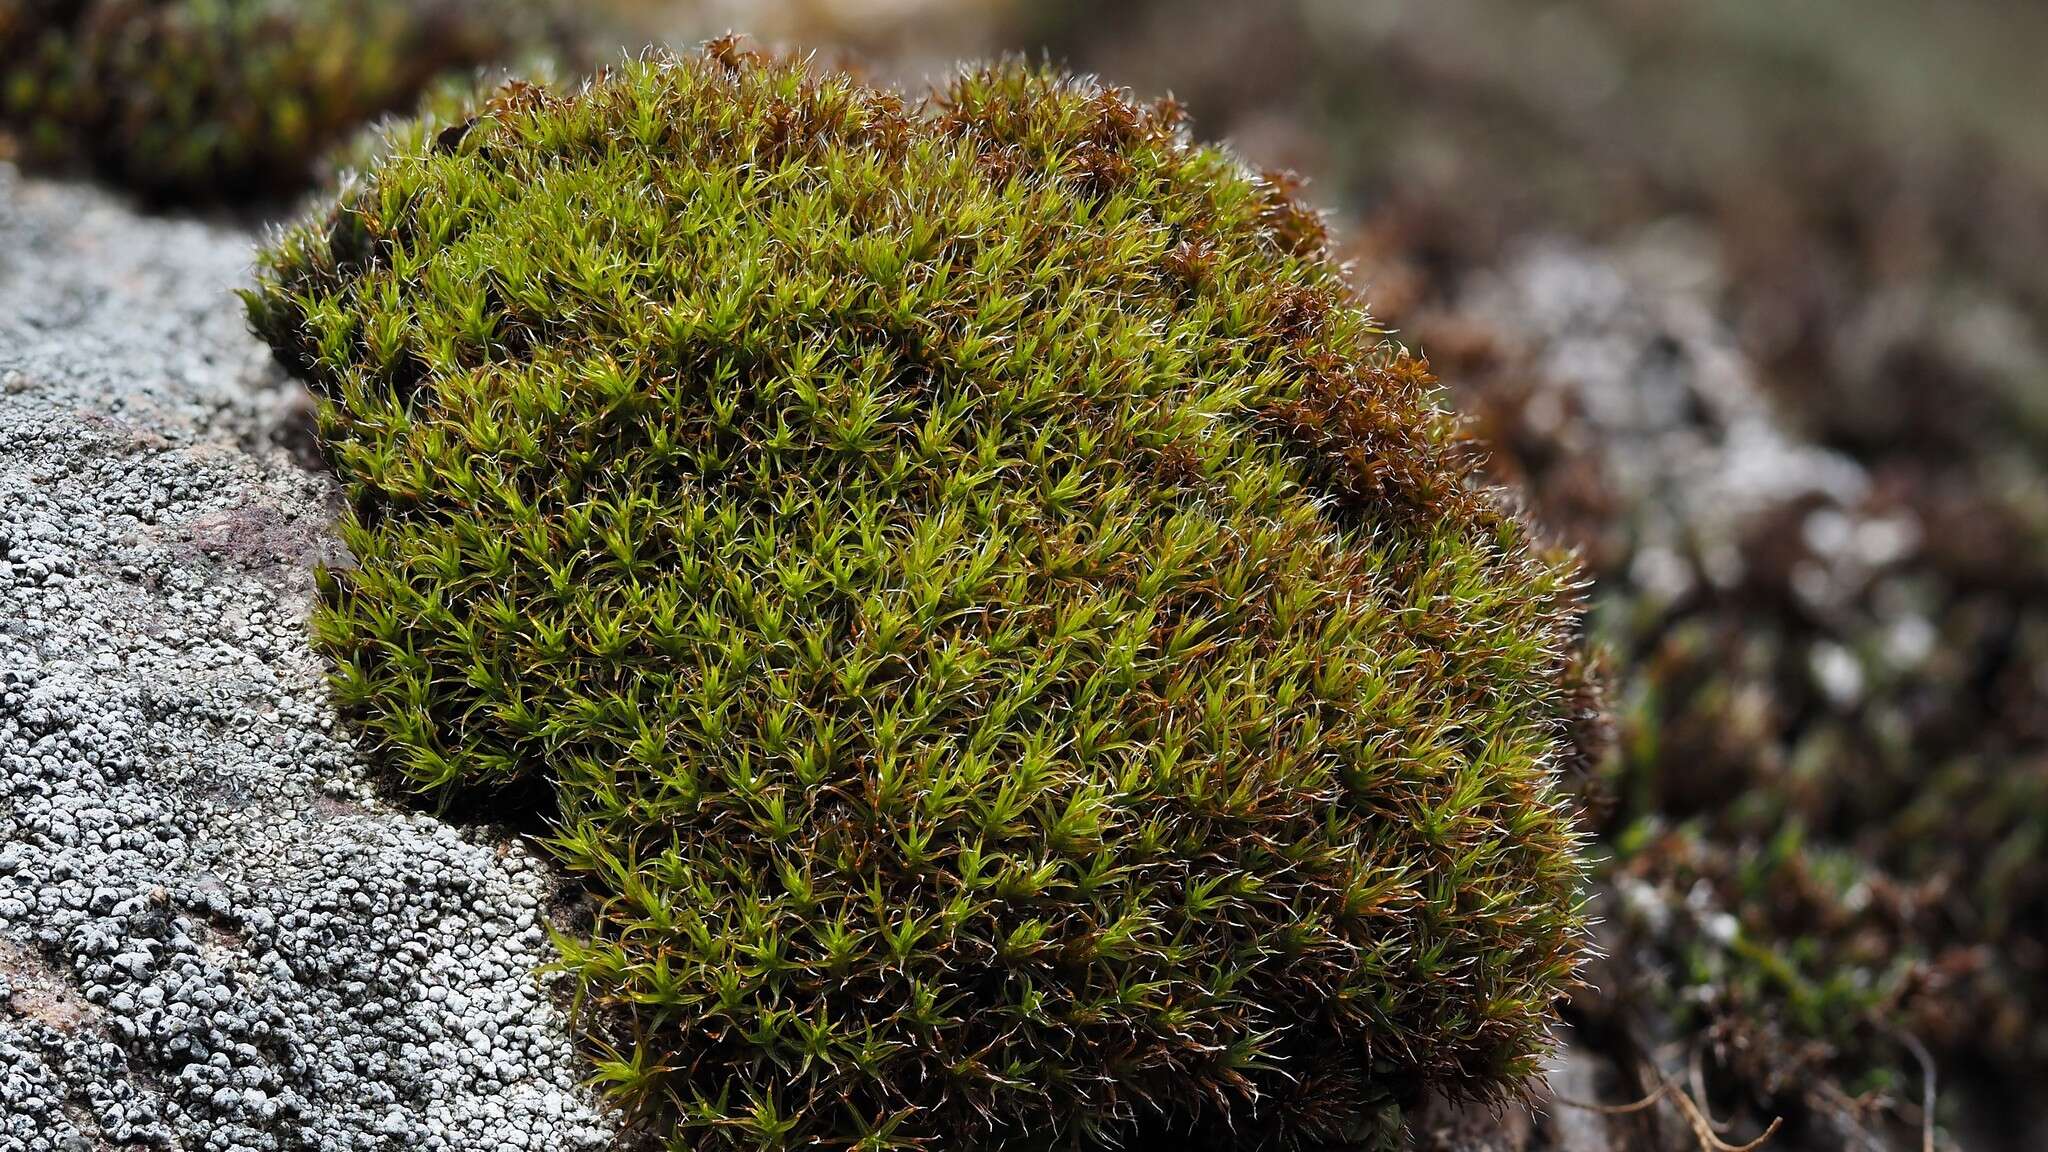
212,936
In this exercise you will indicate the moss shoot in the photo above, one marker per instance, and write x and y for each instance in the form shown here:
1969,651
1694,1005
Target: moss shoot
1015,652
229,99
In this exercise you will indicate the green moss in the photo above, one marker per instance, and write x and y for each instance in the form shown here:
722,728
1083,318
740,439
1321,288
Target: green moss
229,99
1014,652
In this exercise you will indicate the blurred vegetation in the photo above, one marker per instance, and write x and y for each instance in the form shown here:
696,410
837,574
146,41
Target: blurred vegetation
230,100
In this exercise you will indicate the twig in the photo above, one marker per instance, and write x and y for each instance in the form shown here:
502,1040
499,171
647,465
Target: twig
1699,1085
1847,1111
1926,1060
1704,1129
1613,1109
1702,1126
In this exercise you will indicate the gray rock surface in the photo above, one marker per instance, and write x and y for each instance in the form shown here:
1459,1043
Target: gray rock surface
1673,413
212,935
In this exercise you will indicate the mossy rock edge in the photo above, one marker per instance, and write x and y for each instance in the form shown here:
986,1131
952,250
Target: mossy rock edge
1016,653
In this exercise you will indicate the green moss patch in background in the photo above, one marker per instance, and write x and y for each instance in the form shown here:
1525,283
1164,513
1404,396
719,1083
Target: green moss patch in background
230,99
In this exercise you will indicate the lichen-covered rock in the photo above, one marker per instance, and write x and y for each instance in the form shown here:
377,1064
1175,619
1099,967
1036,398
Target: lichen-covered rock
210,937
1014,649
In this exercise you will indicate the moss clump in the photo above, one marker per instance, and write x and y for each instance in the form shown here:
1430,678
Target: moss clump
228,99
1013,650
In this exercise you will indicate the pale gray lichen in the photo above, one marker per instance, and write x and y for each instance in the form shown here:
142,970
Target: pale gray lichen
212,937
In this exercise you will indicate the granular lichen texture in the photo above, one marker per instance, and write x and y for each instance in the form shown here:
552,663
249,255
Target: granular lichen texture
229,99
1014,652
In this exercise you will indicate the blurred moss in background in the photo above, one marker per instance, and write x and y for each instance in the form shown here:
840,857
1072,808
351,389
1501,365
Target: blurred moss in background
231,100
